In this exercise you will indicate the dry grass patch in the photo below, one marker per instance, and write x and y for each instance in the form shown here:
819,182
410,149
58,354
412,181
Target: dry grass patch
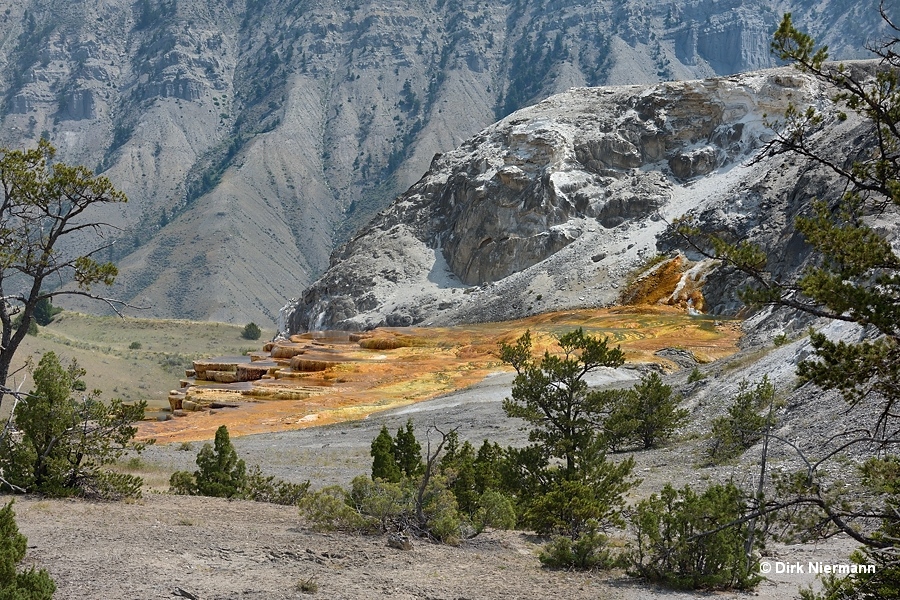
102,346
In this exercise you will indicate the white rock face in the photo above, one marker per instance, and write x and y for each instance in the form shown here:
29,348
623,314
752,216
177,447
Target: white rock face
251,137
553,206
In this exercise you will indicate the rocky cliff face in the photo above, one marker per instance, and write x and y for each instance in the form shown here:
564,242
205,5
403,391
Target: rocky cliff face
553,206
251,135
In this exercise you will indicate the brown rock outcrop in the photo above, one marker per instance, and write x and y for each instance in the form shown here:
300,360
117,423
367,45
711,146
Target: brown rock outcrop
300,363
284,351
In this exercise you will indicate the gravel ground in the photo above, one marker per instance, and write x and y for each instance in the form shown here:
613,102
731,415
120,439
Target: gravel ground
337,453
212,548
217,549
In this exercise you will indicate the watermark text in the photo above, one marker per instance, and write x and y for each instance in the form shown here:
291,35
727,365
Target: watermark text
778,567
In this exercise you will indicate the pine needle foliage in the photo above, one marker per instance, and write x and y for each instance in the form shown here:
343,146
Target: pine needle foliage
854,278
30,584
65,441
743,425
688,540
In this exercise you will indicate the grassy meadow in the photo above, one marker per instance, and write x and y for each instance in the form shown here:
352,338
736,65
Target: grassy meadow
133,359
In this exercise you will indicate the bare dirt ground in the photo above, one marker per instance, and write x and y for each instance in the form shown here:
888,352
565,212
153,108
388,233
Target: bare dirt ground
218,549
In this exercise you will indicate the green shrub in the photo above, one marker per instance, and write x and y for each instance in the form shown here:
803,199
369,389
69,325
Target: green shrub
883,583
135,346
67,443
495,510
394,458
329,510
780,340
31,584
438,514
182,483
262,488
251,331
221,474
587,552
389,504
578,508
409,495
743,426
646,415
399,507
696,375
458,467
687,541
308,586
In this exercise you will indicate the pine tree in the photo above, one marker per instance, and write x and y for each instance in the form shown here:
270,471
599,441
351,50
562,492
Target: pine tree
43,312
564,483
67,443
220,473
743,425
408,451
647,414
43,205
24,585
384,464
458,466
488,467
552,396
251,331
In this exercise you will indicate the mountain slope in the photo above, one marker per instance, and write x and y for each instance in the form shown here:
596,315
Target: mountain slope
557,204
252,136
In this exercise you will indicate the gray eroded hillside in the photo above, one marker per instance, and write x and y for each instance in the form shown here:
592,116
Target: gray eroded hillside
554,206
252,135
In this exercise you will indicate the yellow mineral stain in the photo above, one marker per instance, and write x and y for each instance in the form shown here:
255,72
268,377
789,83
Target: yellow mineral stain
391,367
